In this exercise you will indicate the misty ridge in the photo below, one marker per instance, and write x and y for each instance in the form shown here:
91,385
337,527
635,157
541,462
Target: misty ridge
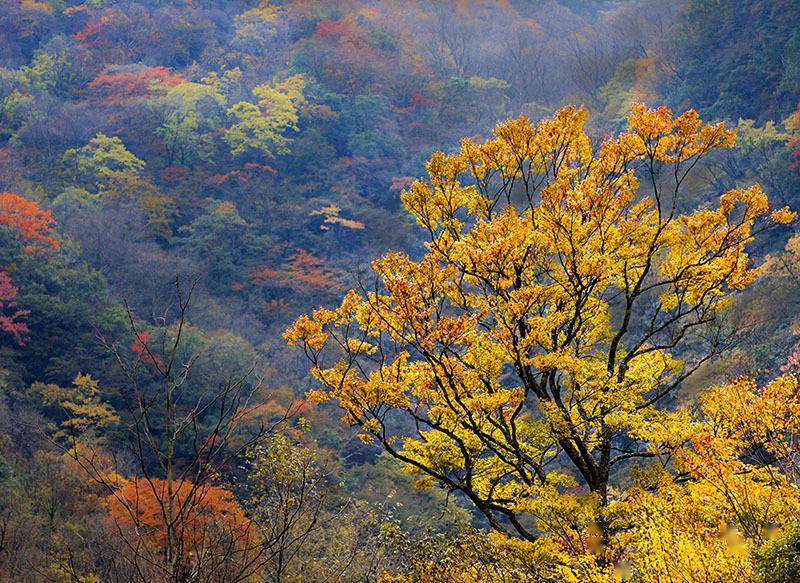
445,291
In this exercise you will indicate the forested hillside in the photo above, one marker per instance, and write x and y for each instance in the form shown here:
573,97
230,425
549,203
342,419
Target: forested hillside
369,290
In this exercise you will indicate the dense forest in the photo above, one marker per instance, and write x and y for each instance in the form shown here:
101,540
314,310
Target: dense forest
374,290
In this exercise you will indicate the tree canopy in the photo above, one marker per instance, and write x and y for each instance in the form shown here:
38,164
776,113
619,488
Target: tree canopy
534,347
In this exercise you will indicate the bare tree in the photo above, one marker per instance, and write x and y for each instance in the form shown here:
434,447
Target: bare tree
288,491
173,523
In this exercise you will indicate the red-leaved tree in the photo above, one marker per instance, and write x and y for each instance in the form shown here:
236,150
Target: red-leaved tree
10,314
32,224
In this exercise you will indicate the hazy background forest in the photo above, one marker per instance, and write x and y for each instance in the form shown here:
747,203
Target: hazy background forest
256,153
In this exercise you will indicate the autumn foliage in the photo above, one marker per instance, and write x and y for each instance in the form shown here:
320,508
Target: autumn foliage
32,225
532,347
571,349
205,521
10,314
119,86
301,269
246,176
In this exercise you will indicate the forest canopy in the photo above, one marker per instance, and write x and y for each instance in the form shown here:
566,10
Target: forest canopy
362,290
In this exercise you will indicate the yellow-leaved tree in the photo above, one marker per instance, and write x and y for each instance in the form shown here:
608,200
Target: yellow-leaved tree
527,360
